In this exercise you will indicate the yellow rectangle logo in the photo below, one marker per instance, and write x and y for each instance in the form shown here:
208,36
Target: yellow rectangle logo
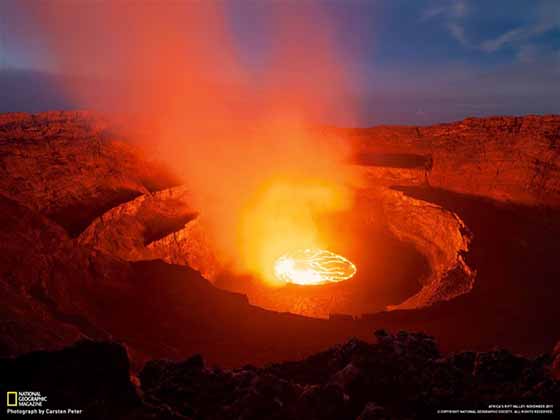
12,399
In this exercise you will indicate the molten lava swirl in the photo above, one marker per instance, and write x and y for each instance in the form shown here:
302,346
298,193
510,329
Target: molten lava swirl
313,267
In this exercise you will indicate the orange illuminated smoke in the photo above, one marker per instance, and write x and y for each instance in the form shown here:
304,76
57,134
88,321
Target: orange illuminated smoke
311,267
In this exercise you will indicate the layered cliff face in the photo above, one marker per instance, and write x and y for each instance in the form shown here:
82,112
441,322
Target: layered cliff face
46,283
69,167
438,234
162,225
513,159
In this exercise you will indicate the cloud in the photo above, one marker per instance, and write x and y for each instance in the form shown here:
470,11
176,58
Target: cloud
457,31
458,18
455,10
432,12
460,9
453,14
516,35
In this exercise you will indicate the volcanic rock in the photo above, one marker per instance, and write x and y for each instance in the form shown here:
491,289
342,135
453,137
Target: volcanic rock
190,246
438,234
161,225
513,159
372,411
556,362
42,277
89,376
402,376
72,167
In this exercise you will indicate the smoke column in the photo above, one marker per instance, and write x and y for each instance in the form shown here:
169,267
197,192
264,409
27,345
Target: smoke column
241,138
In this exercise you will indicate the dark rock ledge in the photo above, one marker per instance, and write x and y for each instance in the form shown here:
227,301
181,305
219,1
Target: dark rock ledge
400,376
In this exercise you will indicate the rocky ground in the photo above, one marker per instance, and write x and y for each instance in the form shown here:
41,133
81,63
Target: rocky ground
72,166
508,159
401,376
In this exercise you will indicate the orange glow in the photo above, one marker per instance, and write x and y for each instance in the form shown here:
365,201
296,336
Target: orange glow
244,142
309,267
281,217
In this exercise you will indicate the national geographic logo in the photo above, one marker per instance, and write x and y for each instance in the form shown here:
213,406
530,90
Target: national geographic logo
33,403
12,399
25,399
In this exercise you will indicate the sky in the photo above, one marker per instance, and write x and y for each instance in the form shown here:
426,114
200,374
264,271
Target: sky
409,62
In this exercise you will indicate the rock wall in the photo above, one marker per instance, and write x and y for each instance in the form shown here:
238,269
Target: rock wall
438,234
45,281
515,159
71,167
188,246
162,225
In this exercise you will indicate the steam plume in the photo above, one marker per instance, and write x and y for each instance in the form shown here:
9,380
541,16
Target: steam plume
241,138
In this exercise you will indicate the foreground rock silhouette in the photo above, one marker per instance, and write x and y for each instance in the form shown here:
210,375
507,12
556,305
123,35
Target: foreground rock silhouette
400,376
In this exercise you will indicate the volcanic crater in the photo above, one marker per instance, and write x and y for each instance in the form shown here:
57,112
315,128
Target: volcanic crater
420,233
406,250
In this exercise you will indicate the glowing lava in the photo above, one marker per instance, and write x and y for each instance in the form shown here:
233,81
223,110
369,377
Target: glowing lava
310,267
